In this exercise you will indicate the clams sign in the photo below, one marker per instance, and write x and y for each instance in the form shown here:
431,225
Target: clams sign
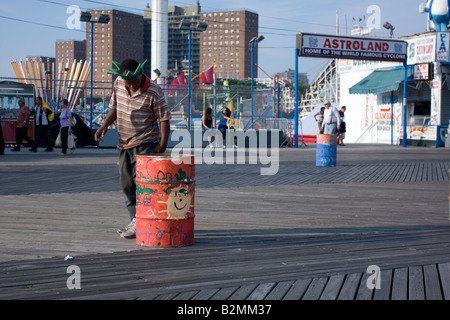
328,46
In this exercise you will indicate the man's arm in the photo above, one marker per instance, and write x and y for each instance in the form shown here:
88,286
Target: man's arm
110,118
338,117
165,131
47,110
27,115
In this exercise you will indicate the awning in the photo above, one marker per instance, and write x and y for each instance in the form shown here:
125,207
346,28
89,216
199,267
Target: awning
381,81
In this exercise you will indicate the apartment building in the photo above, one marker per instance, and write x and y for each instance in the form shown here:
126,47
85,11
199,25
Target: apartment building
69,50
225,44
121,38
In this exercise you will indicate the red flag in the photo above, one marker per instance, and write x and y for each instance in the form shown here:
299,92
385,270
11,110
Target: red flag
182,79
207,76
178,83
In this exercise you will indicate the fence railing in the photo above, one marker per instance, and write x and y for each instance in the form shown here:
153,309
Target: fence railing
249,110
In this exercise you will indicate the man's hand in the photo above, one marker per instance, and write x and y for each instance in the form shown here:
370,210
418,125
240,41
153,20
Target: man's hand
165,132
159,149
100,133
110,118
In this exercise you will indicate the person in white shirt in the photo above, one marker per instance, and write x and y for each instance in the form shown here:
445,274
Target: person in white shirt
331,120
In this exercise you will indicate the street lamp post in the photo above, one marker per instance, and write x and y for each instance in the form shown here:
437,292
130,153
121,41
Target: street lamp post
252,42
198,27
103,19
390,27
189,81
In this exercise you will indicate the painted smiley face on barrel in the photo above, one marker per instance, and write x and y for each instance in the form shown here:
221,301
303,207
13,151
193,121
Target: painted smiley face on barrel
178,203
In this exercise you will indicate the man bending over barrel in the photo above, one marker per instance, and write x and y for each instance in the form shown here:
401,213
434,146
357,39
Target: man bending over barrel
138,104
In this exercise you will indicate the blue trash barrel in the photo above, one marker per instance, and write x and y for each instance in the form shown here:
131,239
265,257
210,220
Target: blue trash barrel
326,147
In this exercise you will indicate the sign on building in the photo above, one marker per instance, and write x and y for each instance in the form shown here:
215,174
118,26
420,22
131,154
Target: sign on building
267,100
329,46
422,71
422,50
442,46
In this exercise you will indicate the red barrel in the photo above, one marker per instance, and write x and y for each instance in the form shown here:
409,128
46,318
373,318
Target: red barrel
165,192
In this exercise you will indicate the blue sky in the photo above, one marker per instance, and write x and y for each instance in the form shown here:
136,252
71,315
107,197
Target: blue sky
31,27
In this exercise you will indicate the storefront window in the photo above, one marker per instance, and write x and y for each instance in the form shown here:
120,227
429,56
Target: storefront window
419,112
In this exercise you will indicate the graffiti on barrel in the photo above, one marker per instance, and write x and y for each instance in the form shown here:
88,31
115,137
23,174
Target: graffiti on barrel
165,201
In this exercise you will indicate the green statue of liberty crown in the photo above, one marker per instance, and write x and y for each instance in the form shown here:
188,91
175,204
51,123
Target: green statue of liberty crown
130,75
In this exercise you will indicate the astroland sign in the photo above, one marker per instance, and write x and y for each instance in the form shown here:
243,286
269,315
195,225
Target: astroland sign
329,46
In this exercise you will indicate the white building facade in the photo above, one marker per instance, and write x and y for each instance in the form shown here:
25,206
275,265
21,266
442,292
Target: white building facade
373,94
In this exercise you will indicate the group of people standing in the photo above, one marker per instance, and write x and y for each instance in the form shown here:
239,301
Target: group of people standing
43,116
332,121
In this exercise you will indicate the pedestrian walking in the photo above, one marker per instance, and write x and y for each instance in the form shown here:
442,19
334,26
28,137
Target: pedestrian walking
65,130
22,125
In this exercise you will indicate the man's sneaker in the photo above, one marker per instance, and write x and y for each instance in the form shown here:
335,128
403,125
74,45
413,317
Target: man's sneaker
124,228
129,231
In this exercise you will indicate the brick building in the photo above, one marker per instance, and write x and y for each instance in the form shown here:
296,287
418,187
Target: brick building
120,39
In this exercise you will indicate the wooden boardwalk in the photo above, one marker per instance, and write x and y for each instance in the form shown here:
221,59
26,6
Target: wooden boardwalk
306,233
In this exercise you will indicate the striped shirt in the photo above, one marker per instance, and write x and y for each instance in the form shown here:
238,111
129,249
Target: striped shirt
138,115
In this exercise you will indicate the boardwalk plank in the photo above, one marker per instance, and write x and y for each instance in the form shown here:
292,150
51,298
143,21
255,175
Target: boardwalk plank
364,293
205,294
243,292
444,272
223,293
410,171
297,290
261,291
432,283
421,174
279,291
350,286
384,293
315,289
404,172
429,172
333,287
148,297
400,284
416,288
186,295
166,296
